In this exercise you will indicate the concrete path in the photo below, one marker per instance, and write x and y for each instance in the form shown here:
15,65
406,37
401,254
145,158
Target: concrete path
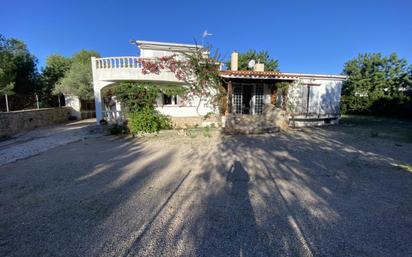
39,140
316,192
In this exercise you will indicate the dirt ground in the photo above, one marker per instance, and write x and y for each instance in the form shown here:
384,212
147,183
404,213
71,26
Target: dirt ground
330,191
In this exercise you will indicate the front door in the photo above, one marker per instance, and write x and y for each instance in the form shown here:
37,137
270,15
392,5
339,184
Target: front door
247,98
247,105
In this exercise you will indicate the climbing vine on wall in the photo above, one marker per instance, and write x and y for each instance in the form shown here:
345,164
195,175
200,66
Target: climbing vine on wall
139,100
135,96
283,88
198,71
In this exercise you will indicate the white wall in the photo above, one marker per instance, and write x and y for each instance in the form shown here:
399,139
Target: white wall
74,103
324,98
149,53
185,108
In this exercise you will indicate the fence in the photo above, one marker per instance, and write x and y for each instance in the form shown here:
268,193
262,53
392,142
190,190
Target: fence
18,102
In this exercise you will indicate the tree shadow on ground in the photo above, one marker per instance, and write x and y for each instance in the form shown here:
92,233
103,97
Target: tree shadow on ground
72,200
307,193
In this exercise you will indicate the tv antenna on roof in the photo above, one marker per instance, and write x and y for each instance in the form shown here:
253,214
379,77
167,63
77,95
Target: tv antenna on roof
204,35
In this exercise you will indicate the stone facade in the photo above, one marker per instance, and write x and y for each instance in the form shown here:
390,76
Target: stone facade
271,120
188,122
14,122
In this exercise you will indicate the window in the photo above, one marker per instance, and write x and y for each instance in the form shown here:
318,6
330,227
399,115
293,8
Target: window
308,98
170,100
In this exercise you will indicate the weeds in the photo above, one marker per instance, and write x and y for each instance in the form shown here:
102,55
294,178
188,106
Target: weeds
403,166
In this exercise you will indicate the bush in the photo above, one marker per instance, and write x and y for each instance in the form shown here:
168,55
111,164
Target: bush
393,107
355,105
147,120
206,131
164,121
398,106
118,129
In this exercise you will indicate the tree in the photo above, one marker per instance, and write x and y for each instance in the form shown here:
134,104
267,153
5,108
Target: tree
373,77
78,79
7,75
261,56
136,96
55,69
139,102
21,65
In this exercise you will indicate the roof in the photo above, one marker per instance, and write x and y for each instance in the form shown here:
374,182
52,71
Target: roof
165,46
249,74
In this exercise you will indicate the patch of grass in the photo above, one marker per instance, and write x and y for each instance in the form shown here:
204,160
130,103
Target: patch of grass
206,131
403,166
382,127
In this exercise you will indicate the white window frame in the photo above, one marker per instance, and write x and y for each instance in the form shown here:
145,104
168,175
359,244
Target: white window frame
175,100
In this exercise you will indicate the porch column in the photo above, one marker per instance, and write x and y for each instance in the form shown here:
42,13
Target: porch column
98,104
229,98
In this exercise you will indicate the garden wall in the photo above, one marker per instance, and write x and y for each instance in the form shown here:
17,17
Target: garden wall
187,122
14,122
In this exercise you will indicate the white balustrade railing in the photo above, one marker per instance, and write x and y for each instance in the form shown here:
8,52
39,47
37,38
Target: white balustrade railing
118,62
113,117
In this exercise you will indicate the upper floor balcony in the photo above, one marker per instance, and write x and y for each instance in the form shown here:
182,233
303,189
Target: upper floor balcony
128,68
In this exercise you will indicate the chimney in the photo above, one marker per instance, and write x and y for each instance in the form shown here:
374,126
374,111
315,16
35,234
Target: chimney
259,67
234,61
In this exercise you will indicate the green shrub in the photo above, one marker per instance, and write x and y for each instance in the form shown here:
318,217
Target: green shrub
118,129
164,121
147,120
399,106
206,131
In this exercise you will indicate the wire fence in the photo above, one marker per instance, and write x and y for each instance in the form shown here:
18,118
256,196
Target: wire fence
18,102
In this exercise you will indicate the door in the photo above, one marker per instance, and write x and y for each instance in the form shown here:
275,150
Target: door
237,99
258,99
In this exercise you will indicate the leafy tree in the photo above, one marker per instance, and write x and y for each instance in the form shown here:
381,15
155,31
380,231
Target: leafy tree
139,101
7,68
78,79
261,56
373,77
136,96
55,69
6,77
19,65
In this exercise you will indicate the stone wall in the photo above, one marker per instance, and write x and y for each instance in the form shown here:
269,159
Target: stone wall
187,122
14,122
271,120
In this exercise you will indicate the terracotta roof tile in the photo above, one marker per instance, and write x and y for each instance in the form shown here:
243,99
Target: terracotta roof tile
249,74
256,74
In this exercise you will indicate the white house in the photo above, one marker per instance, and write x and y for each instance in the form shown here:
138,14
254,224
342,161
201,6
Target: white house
315,97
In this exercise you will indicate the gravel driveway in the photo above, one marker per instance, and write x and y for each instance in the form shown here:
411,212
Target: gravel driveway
30,143
315,192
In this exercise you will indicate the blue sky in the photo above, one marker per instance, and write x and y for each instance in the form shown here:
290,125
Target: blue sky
305,36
